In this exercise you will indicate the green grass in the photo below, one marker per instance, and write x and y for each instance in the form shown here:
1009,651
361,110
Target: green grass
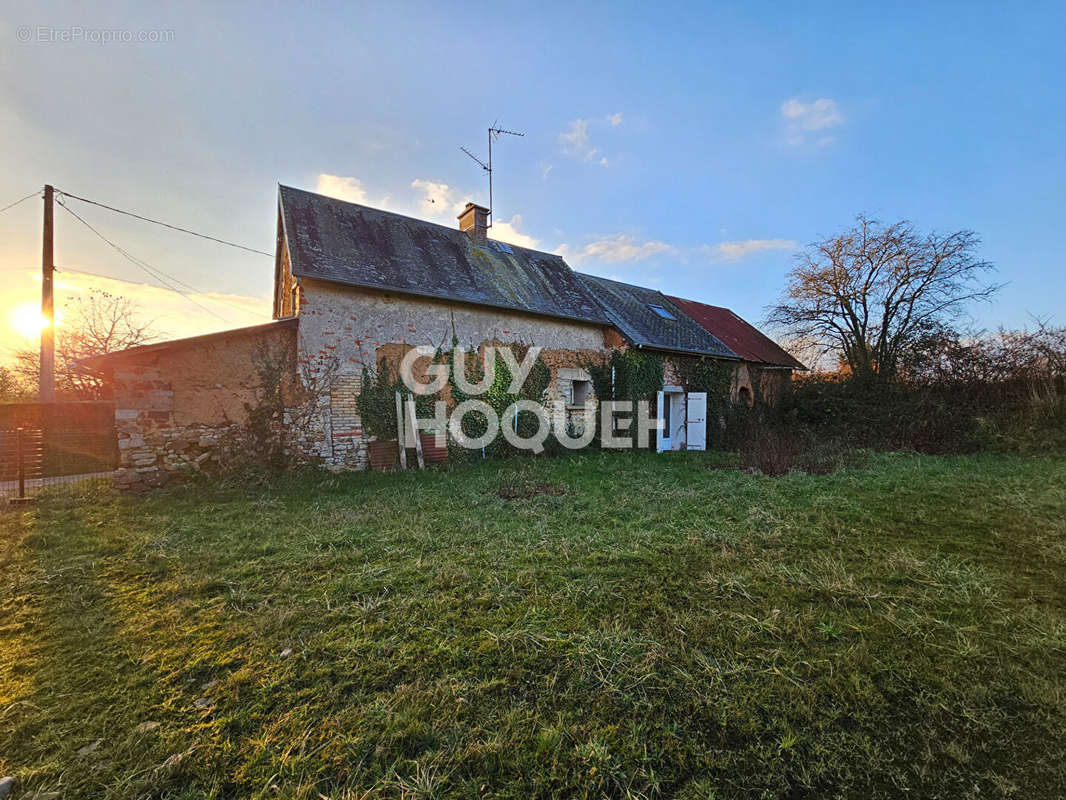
657,629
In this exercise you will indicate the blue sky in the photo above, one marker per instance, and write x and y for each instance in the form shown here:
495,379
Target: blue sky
687,147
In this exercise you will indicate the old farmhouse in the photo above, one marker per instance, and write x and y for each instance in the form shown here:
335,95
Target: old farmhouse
354,286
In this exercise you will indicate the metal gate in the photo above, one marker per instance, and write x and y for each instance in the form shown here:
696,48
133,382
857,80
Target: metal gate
55,448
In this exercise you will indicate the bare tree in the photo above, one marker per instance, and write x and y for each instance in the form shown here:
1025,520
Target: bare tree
94,324
12,388
873,293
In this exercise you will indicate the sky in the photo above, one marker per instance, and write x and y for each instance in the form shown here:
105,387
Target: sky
688,147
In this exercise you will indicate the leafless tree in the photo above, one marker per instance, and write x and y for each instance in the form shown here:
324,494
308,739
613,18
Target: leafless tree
873,293
96,323
12,388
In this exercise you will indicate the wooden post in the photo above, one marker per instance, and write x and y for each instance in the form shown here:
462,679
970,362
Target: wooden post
47,376
401,429
414,431
20,453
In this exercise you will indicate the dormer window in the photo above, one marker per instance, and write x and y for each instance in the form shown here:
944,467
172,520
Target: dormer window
661,311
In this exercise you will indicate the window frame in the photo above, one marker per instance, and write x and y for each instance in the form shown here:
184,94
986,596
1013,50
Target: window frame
662,312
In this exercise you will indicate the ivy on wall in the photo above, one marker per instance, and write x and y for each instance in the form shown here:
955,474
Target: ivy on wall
377,401
283,410
632,375
498,397
702,374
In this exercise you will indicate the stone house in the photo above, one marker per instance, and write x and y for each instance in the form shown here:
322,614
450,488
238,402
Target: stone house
354,286
648,320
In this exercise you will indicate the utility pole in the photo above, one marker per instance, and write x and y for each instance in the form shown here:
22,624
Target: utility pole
47,377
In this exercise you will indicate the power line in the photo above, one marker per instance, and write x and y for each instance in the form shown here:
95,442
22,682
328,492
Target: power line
81,271
164,224
153,272
23,200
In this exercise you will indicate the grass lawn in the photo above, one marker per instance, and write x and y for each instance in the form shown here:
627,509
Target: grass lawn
646,627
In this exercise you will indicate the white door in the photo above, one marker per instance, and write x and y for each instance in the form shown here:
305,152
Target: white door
662,438
677,420
697,421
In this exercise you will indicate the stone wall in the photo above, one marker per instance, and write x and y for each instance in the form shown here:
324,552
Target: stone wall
178,406
347,328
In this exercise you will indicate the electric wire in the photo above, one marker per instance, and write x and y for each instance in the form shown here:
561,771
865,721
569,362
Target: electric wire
144,266
164,224
23,200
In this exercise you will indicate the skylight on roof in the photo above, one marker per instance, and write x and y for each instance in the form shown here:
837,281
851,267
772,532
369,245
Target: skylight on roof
661,311
503,247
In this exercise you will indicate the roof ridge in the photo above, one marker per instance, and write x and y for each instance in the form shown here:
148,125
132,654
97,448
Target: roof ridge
419,220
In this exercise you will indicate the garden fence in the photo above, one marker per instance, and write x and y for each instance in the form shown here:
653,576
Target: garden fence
61,448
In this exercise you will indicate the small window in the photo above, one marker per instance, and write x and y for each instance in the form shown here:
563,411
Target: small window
503,247
661,311
579,392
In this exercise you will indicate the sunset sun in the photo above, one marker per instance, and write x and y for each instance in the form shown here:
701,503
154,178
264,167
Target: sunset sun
28,321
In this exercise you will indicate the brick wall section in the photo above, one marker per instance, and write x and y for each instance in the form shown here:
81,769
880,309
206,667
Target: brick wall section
346,429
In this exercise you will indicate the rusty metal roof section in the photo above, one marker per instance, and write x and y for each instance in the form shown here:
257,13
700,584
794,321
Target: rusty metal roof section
743,338
347,243
647,318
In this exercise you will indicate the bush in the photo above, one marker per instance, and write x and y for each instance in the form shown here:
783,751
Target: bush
940,417
775,451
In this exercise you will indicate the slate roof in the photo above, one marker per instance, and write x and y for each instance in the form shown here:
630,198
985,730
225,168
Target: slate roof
743,338
629,309
352,244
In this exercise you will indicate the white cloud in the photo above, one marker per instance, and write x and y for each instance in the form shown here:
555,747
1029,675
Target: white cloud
613,249
509,232
803,119
438,201
734,251
343,188
576,142
624,248
431,200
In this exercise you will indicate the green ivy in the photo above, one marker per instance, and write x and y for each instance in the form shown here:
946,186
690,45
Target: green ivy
499,398
632,375
377,402
702,374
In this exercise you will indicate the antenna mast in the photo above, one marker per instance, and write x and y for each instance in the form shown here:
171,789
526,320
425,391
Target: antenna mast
494,133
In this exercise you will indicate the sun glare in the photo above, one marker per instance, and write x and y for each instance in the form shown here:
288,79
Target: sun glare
29,321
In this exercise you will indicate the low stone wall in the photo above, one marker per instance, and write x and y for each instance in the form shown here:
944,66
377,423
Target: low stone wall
151,454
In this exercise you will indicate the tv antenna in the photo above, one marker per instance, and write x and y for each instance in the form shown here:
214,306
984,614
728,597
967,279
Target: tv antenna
494,133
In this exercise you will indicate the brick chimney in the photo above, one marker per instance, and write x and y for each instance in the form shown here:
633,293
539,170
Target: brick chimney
475,221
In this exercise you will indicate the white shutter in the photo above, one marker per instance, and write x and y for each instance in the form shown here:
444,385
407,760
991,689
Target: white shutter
697,421
662,434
